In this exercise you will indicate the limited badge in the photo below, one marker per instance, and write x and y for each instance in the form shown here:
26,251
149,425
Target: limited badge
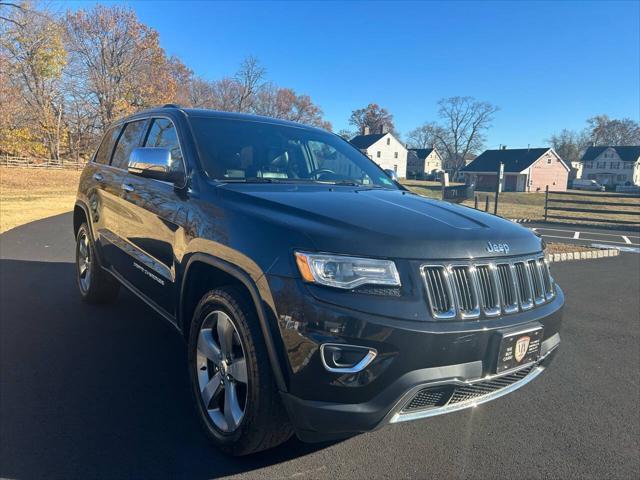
522,346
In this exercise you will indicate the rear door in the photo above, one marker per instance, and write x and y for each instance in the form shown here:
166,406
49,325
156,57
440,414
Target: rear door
157,214
102,181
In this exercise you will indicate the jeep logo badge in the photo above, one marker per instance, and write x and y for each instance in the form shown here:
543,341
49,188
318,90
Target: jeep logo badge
497,247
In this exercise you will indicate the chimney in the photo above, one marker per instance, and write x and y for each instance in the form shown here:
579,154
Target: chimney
365,130
504,147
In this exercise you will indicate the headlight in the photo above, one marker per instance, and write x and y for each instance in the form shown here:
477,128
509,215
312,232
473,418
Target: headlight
346,272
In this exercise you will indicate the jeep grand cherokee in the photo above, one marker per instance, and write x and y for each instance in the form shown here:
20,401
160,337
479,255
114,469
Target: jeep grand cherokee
317,295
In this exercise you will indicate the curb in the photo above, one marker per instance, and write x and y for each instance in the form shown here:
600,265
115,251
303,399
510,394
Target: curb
591,254
522,220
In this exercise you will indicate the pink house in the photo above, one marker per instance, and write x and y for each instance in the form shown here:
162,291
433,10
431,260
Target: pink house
525,170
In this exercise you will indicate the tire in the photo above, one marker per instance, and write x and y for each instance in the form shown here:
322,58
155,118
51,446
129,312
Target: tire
95,285
215,370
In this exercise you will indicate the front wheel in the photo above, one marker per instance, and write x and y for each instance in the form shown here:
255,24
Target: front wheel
232,383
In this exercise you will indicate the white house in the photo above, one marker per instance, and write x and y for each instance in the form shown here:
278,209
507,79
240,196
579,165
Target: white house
423,161
610,165
384,149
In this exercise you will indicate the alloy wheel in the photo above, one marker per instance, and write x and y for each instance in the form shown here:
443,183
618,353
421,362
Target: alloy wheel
84,261
221,369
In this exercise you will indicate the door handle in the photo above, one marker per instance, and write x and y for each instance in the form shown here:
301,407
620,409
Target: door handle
127,187
98,177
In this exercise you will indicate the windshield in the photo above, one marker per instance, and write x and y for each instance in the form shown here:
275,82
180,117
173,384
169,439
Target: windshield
250,151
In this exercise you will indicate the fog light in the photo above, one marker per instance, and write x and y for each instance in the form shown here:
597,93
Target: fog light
339,358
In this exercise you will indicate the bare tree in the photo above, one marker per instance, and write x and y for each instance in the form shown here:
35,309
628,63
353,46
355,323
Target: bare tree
464,122
605,131
425,136
249,78
373,117
569,144
284,103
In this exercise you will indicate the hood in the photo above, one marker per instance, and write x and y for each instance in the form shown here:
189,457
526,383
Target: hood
382,223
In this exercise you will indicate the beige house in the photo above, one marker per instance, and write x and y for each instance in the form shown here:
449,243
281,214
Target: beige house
609,165
423,161
384,149
525,170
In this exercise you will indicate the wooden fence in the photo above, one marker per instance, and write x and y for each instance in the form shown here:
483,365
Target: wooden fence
30,162
626,212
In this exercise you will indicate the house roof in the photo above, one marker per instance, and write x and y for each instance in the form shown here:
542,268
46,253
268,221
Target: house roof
627,154
421,153
515,160
365,141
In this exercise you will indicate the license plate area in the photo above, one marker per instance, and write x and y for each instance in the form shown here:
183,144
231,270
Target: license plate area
518,348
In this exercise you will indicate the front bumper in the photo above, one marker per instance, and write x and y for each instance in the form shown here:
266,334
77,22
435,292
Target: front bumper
412,357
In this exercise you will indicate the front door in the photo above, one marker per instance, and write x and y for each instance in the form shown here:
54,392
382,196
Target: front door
156,215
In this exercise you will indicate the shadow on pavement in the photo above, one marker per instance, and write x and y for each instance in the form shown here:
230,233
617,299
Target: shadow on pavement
88,392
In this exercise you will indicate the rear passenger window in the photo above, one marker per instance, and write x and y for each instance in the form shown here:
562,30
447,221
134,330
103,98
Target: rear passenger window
103,155
163,134
129,139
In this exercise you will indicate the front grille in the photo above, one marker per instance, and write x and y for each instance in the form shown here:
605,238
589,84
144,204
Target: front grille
467,291
439,292
432,397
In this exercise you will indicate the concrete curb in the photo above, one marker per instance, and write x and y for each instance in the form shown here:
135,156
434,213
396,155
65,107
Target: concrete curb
566,257
522,220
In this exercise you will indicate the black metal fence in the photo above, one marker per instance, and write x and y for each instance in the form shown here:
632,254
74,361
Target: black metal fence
557,206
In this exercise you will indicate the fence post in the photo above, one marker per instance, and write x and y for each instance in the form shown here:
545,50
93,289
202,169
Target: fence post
475,201
486,203
546,198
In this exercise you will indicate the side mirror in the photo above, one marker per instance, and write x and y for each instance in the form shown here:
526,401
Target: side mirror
392,174
152,162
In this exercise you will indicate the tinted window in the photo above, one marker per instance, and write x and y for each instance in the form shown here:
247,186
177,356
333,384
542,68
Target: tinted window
129,139
103,155
163,134
254,151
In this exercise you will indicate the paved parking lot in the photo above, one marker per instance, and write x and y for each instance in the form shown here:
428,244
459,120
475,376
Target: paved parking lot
624,240
101,392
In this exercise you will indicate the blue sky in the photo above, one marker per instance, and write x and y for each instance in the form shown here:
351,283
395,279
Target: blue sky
547,65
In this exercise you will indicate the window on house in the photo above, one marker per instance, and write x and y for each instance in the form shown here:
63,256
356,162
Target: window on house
549,161
388,141
378,154
628,165
588,165
395,155
622,178
602,165
615,165
395,168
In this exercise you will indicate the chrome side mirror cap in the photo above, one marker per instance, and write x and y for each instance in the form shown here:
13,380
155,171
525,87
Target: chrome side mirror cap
152,162
391,174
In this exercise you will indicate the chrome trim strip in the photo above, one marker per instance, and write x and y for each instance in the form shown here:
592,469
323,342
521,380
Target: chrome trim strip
358,367
398,417
395,415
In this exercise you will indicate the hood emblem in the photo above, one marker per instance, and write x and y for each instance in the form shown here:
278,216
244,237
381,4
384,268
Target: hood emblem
498,247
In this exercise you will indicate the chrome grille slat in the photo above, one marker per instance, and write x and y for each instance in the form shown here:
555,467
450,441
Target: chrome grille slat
471,289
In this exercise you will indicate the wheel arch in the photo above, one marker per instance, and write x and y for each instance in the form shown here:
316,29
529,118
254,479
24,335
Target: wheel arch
80,214
221,270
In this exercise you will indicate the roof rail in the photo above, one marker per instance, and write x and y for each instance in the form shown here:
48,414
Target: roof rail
171,105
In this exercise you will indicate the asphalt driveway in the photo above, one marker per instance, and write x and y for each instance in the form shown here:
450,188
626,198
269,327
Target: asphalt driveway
101,392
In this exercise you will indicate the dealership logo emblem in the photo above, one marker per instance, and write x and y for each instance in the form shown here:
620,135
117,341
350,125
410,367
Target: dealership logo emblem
498,247
522,346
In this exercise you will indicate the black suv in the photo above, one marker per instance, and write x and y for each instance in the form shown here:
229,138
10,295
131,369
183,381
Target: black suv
317,295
